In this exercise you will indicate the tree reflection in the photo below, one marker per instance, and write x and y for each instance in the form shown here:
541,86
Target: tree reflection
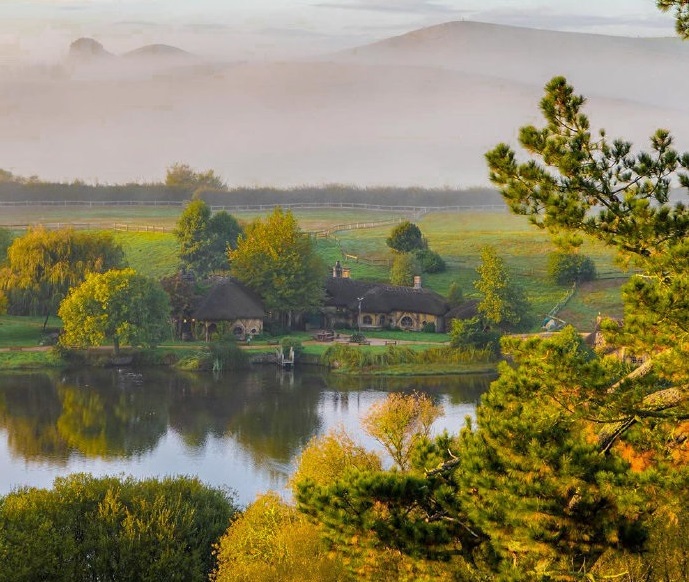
279,416
120,413
110,413
29,409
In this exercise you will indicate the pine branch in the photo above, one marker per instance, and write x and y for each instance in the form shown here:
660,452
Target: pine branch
650,406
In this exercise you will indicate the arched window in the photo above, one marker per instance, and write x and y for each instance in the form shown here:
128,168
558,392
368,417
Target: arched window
238,331
381,321
406,321
367,320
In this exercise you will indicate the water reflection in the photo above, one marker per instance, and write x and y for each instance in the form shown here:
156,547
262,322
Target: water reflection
242,430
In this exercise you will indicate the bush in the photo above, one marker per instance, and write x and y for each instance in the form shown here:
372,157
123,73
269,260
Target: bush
430,262
88,528
469,333
428,327
221,355
272,541
406,237
567,268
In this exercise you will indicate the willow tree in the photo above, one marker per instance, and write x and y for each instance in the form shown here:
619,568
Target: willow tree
44,264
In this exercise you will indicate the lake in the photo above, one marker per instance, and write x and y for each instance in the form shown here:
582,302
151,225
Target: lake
241,430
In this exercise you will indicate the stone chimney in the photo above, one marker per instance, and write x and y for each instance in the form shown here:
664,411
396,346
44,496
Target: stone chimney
337,270
417,281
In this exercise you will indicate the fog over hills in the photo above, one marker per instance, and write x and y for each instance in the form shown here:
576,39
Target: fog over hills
418,109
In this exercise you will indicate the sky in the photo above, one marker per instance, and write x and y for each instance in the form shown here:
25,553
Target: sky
269,29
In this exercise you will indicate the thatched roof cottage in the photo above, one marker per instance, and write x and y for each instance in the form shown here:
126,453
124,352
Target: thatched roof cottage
232,306
376,306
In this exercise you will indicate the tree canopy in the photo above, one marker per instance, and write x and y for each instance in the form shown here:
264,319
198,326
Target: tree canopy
404,267
88,528
117,305
278,261
44,264
504,303
184,176
406,237
205,238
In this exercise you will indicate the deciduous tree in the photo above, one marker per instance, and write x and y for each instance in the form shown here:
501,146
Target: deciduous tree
184,176
404,267
43,265
406,237
119,306
504,303
205,238
279,262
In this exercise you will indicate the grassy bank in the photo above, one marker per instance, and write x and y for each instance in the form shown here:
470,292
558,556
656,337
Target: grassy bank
30,360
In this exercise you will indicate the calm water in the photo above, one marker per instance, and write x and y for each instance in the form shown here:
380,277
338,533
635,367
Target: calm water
241,430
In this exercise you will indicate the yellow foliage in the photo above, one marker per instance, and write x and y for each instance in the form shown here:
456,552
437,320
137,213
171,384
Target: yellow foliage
272,542
327,458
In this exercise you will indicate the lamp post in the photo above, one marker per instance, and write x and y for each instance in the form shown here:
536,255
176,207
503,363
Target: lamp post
358,321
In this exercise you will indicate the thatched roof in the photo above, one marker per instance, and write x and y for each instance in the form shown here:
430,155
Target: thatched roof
229,300
466,310
379,298
389,298
342,292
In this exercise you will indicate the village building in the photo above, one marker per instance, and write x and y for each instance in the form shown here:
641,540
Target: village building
372,306
230,307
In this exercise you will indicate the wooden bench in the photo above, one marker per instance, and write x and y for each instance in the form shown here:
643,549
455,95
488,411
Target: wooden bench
390,342
273,342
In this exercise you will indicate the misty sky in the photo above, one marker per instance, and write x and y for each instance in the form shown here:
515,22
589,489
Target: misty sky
42,29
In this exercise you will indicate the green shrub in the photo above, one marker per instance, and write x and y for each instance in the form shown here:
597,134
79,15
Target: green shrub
218,356
88,528
469,333
567,268
430,262
428,327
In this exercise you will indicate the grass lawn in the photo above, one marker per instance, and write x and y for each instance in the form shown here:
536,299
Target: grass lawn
459,237
29,360
153,254
24,331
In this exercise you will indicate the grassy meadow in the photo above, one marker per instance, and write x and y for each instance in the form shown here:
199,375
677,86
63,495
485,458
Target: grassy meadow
458,237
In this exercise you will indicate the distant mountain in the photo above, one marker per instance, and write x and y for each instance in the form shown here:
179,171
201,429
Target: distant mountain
610,66
158,51
88,49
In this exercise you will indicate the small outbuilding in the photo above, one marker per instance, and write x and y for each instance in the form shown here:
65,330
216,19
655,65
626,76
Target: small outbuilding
231,307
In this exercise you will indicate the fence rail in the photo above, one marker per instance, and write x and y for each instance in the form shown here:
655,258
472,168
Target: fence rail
411,209
92,226
58,203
